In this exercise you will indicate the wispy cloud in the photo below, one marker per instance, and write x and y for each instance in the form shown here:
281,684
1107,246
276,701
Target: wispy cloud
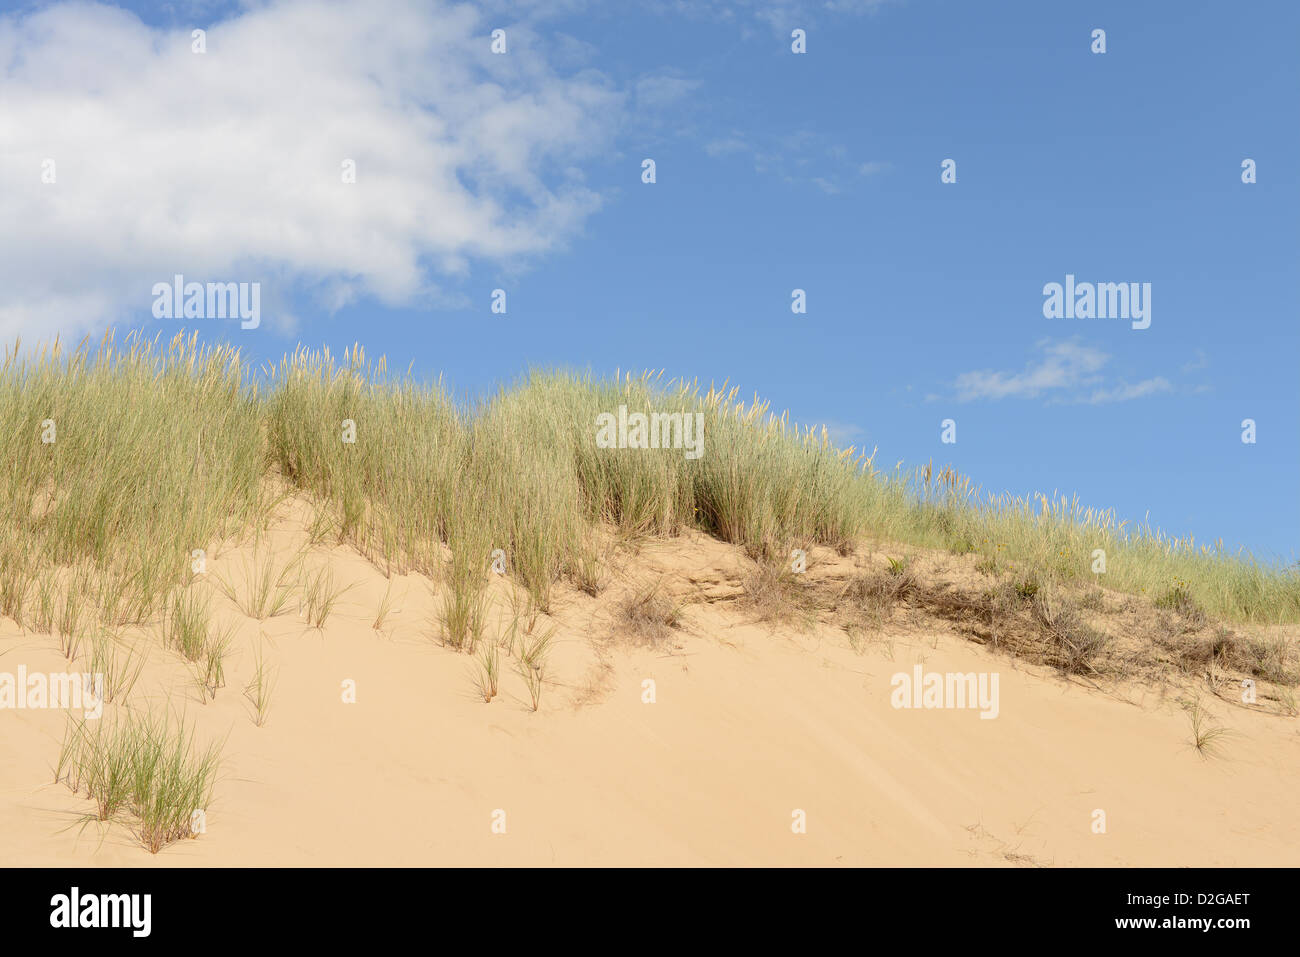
802,157
1063,372
728,144
1063,365
1123,393
779,15
660,90
1202,361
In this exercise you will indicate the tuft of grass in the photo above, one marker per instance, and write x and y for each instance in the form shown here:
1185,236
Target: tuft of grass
187,627
1209,739
532,665
266,591
589,572
1179,600
385,607
120,667
210,670
259,688
1073,646
648,616
867,600
464,602
319,595
490,671
142,767
775,594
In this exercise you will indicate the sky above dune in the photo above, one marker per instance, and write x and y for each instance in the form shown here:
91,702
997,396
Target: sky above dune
380,172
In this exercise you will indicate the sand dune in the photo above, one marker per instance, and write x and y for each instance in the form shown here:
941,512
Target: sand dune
750,725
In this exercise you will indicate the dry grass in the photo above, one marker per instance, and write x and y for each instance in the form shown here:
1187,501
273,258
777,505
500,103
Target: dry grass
646,616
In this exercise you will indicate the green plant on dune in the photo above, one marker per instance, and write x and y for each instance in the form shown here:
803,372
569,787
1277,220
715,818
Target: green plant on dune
122,460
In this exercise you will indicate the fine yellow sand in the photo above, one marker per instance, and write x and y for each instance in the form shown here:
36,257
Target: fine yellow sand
749,725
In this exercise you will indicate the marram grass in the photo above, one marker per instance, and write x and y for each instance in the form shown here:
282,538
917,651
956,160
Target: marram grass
120,461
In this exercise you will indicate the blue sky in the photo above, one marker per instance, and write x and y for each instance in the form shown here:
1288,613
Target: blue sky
775,171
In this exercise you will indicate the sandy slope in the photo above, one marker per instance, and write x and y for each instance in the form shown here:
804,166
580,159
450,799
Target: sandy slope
748,726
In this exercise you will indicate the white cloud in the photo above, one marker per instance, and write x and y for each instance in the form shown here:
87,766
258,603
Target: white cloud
1123,393
1063,365
1068,371
225,166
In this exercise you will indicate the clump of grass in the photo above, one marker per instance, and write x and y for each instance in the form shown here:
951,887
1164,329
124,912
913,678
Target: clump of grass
589,572
464,602
648,616
210,670
119,667
1073,646
868,599
773,593
70,644
532,665
490,671
140,766
319,595
464,614
1179,600
1270,659
266,591
259,688
188,623
1027,586
385,607
1209,739
962,546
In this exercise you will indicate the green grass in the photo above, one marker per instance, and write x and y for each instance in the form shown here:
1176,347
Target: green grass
141,769
152,452
163,449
